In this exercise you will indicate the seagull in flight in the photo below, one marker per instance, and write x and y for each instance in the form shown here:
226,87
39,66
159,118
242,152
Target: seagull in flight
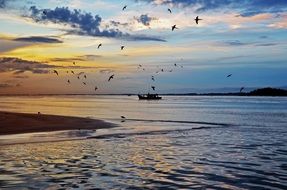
99,46
122,47
56,72
124,7
173,27
228,75
197,19
111,77
169,10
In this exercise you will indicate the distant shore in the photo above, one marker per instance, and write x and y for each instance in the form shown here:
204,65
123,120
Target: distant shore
18,123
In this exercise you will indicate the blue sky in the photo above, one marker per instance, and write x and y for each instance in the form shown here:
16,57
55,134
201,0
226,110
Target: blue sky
244,38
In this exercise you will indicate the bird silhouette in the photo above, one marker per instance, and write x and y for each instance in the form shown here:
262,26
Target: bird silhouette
169,10
111,77
153,88
123,117
122,47
228,75
99,46
124,7
72,72
173,27
197,19
241,89
56,72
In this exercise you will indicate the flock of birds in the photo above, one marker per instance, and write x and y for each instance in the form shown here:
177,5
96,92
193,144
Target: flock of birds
197,19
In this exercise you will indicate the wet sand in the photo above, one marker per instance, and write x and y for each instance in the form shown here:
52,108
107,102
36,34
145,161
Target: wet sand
17,123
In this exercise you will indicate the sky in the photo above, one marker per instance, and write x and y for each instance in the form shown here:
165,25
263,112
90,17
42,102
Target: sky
245,38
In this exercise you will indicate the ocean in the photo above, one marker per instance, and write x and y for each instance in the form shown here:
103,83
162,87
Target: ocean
180,142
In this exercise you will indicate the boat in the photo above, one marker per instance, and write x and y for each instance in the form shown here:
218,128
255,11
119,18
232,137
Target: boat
149,96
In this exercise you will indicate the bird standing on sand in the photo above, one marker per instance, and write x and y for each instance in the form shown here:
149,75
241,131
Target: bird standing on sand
122,47
124,7
99,46
228,75
153,88
56,72
169,10
173,27
197,19
111,77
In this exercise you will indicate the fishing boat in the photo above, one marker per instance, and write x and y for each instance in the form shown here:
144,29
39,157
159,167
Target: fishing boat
149,96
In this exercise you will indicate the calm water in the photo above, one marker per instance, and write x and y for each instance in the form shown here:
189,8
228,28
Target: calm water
176,143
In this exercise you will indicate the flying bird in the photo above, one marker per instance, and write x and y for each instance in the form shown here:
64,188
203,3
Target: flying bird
153,88
124,7
228,75
241,89
169,10
122,47
56,72
111,77
197,19
173,27
99,46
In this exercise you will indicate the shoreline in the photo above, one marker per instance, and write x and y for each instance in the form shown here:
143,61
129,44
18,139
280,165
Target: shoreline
19,123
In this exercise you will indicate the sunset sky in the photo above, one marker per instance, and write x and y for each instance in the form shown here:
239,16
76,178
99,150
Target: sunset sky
245,38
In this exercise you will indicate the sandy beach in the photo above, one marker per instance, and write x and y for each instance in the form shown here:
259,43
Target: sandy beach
17,123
